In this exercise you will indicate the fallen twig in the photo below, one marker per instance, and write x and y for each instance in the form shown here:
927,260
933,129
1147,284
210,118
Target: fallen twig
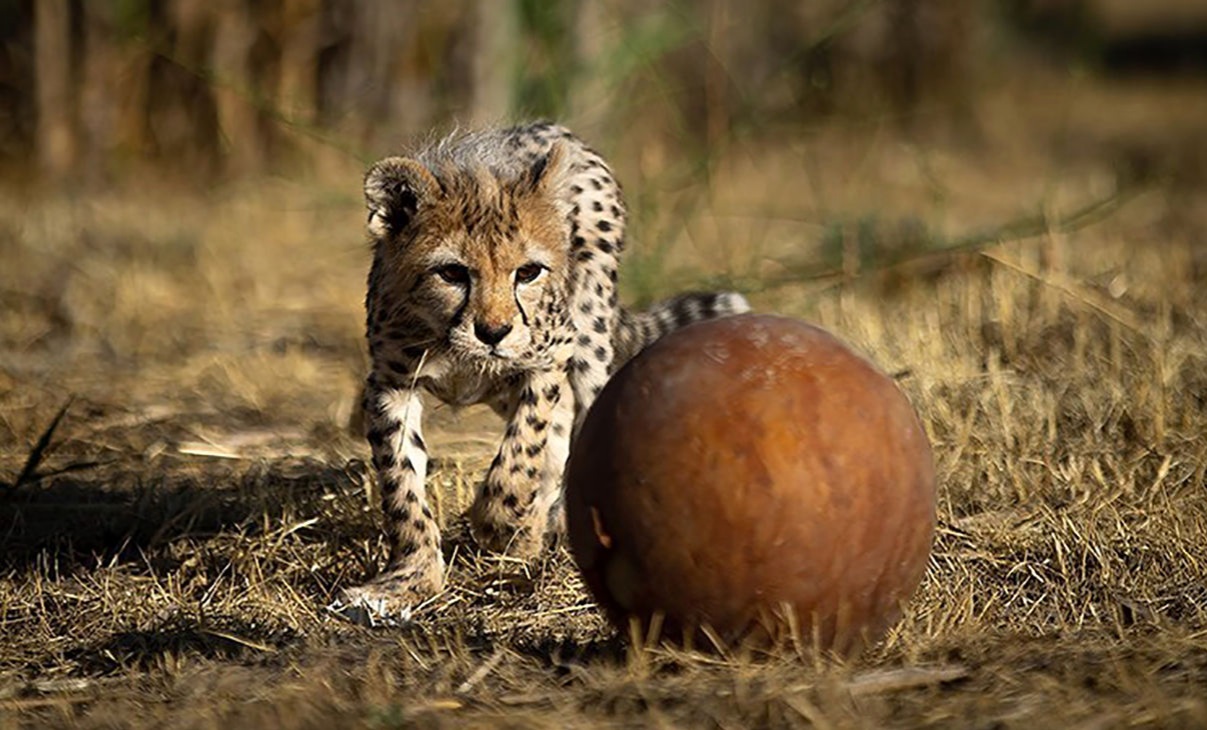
895,680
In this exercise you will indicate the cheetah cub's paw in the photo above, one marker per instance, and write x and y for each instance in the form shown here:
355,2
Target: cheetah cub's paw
390,598
497,533
555,523
526,541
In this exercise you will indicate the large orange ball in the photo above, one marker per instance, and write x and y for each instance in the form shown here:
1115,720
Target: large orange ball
752,474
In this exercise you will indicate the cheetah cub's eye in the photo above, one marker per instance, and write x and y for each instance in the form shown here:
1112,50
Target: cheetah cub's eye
529,273
452,273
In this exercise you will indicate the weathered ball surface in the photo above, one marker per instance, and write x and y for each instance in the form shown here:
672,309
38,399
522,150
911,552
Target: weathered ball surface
752,474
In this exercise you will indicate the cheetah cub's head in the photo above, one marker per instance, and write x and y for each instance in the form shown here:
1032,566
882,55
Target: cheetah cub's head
475,257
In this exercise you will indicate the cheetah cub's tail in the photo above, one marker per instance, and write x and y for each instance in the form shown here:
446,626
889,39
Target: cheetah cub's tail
636,330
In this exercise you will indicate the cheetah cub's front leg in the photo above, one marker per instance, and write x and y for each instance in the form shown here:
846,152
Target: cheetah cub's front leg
415,570
511,512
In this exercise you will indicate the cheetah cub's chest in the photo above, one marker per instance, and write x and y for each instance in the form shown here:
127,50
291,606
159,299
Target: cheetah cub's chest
463,384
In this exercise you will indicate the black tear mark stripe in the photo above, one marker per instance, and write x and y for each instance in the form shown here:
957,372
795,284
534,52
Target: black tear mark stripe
520,306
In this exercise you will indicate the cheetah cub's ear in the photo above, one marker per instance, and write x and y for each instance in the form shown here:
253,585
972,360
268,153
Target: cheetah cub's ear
547,176
395,188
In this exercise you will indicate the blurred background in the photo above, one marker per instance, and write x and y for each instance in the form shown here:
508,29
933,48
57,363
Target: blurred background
220,88
183,176
180,179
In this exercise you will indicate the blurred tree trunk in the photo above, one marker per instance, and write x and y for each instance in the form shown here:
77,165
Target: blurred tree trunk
494,51
410,90
112,93
716,76
133,91
373,78
401,86
298,36
234,87
295,97
588,90
56,140
182,129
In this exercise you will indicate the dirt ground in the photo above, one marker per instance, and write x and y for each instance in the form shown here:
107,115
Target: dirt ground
180,495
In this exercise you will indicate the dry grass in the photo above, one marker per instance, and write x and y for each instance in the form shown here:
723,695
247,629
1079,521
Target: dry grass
167,561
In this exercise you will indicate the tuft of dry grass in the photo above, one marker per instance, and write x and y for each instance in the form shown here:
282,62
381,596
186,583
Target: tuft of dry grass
167,557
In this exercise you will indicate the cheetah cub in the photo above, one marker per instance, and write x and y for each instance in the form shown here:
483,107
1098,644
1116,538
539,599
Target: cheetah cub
493,281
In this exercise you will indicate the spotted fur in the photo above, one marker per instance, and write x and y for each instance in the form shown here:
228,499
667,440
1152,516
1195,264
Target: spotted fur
494,281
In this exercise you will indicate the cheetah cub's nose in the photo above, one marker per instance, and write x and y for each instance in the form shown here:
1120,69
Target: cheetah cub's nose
491,335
